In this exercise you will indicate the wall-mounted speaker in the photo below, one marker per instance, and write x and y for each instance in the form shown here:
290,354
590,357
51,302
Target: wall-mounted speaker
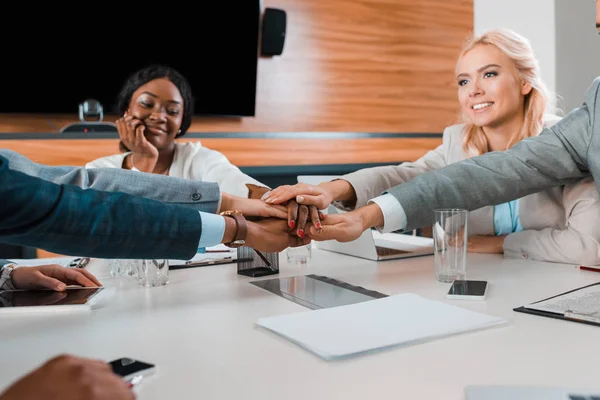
273,32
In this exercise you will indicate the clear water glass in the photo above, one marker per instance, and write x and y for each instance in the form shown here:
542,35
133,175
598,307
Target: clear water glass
450,244
153,273
123,267
299,255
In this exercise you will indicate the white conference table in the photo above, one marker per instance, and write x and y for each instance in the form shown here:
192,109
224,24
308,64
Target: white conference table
200,332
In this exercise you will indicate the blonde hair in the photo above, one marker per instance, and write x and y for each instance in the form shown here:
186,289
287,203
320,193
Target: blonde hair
538,101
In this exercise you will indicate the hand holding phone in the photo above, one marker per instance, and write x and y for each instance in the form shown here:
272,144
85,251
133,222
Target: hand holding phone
467,290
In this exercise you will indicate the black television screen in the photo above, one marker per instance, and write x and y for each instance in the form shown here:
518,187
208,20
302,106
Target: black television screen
51,65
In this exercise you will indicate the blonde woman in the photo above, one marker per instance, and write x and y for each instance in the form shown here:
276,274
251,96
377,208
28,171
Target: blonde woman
502,101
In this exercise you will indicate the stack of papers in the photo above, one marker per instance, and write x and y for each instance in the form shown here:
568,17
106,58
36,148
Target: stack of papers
350,330
585,301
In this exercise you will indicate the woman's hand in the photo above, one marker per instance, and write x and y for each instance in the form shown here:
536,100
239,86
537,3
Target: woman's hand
53,277
303,202
486,244
299,215
143,154
309,195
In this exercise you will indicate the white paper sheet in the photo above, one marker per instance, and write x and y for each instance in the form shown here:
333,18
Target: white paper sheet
583,301
403,319
228,253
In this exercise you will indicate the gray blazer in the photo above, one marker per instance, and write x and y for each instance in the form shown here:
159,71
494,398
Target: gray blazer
201,196
561,154
556,221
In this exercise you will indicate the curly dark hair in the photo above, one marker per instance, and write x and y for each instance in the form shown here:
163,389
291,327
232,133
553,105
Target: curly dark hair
150,73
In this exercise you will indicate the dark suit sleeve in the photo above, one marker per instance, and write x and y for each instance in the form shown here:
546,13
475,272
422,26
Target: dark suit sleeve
69,220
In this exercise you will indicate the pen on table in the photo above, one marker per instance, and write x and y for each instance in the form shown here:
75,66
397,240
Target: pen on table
207,262
79,262
583,267
218,251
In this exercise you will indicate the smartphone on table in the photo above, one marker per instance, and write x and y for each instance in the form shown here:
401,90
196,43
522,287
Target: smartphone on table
467,290
132,371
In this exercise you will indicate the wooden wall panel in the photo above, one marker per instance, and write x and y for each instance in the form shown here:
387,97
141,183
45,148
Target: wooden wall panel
357,66
249,152
353,66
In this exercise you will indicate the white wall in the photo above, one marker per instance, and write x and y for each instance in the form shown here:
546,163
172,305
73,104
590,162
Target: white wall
578,45
563,36
534,19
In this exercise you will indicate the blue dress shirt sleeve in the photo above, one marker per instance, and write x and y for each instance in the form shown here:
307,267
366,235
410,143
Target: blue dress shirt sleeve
506,218
213,229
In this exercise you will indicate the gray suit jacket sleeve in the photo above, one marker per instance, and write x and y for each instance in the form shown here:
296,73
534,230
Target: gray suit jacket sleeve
556,157
201,196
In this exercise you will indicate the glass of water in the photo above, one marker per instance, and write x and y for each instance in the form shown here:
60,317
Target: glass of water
450,244
123,267
153,273
299,255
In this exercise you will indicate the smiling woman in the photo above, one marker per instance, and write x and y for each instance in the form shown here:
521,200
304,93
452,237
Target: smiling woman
503,102
157,107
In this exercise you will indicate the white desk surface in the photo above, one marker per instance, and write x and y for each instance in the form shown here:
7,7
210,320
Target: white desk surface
199,330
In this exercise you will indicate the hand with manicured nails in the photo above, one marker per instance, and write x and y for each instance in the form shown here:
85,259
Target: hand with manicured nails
131,132
303,202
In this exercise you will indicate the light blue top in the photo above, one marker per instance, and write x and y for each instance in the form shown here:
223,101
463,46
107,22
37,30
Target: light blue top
506,218
213,229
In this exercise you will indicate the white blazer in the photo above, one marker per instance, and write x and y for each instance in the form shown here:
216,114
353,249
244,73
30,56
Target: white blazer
561,224
195,162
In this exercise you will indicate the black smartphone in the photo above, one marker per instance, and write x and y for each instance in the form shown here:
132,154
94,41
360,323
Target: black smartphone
132,370
468,290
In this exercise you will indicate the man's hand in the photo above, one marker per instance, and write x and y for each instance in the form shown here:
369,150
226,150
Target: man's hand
70,378
349,226
272,235
341,227
252,207
53,277
486,244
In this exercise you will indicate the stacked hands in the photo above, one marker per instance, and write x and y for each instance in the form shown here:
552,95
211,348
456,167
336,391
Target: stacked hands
299,206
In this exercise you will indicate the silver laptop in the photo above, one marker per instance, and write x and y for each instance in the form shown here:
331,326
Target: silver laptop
492,392
372,245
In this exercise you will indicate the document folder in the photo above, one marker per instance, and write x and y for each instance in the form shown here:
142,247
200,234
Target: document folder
577,305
